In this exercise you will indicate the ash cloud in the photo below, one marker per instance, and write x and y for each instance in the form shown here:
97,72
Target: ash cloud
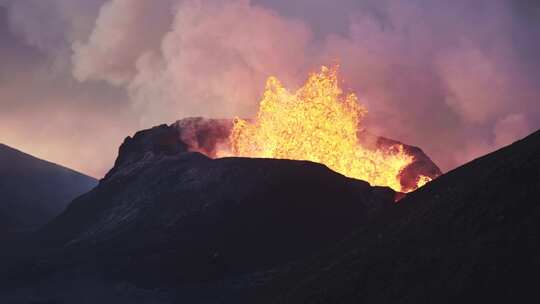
203,59
124,29
439,75
458,79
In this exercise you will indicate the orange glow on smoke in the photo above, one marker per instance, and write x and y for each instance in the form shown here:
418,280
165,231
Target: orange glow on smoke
318,123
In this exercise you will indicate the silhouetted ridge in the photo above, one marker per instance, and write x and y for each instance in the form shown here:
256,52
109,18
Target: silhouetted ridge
33,191
252,213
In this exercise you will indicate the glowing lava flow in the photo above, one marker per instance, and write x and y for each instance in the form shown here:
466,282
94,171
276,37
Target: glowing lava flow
318,123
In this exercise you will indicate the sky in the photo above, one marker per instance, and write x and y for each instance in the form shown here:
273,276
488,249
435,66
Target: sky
457,78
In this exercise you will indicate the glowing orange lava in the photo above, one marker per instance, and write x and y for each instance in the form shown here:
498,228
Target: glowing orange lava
318,123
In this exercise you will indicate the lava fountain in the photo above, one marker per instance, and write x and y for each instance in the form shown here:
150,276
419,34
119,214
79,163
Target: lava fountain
319,123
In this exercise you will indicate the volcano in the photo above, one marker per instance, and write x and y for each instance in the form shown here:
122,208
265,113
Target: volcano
167,215
322,123
169,224
211,137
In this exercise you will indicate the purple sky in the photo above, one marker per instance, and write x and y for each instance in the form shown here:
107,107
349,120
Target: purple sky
456,78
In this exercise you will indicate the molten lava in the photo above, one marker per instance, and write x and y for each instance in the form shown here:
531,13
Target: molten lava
319,123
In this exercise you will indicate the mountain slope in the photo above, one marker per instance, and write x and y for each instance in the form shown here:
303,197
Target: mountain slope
167,217
472,235
33,191
164,216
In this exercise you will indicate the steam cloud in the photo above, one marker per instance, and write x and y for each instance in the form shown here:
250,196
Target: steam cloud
458,79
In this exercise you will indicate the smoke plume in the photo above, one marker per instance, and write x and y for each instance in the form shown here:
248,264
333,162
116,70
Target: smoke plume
457,78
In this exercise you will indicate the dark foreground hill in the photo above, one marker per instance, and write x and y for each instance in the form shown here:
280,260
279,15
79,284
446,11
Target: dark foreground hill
471,236
167,218
171,226
33,191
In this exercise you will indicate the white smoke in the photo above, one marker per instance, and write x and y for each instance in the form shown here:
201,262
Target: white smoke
211,59
446,76
124,29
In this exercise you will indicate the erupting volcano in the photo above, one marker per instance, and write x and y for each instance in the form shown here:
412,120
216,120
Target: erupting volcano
320,123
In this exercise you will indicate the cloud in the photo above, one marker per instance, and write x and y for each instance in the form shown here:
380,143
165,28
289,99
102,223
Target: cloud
45,112
456,78
212,59
510,128
216,58
51,25
436,70
124,29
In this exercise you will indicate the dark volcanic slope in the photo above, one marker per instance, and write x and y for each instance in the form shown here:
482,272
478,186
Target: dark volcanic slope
471,236
167,216
33,191
7,226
